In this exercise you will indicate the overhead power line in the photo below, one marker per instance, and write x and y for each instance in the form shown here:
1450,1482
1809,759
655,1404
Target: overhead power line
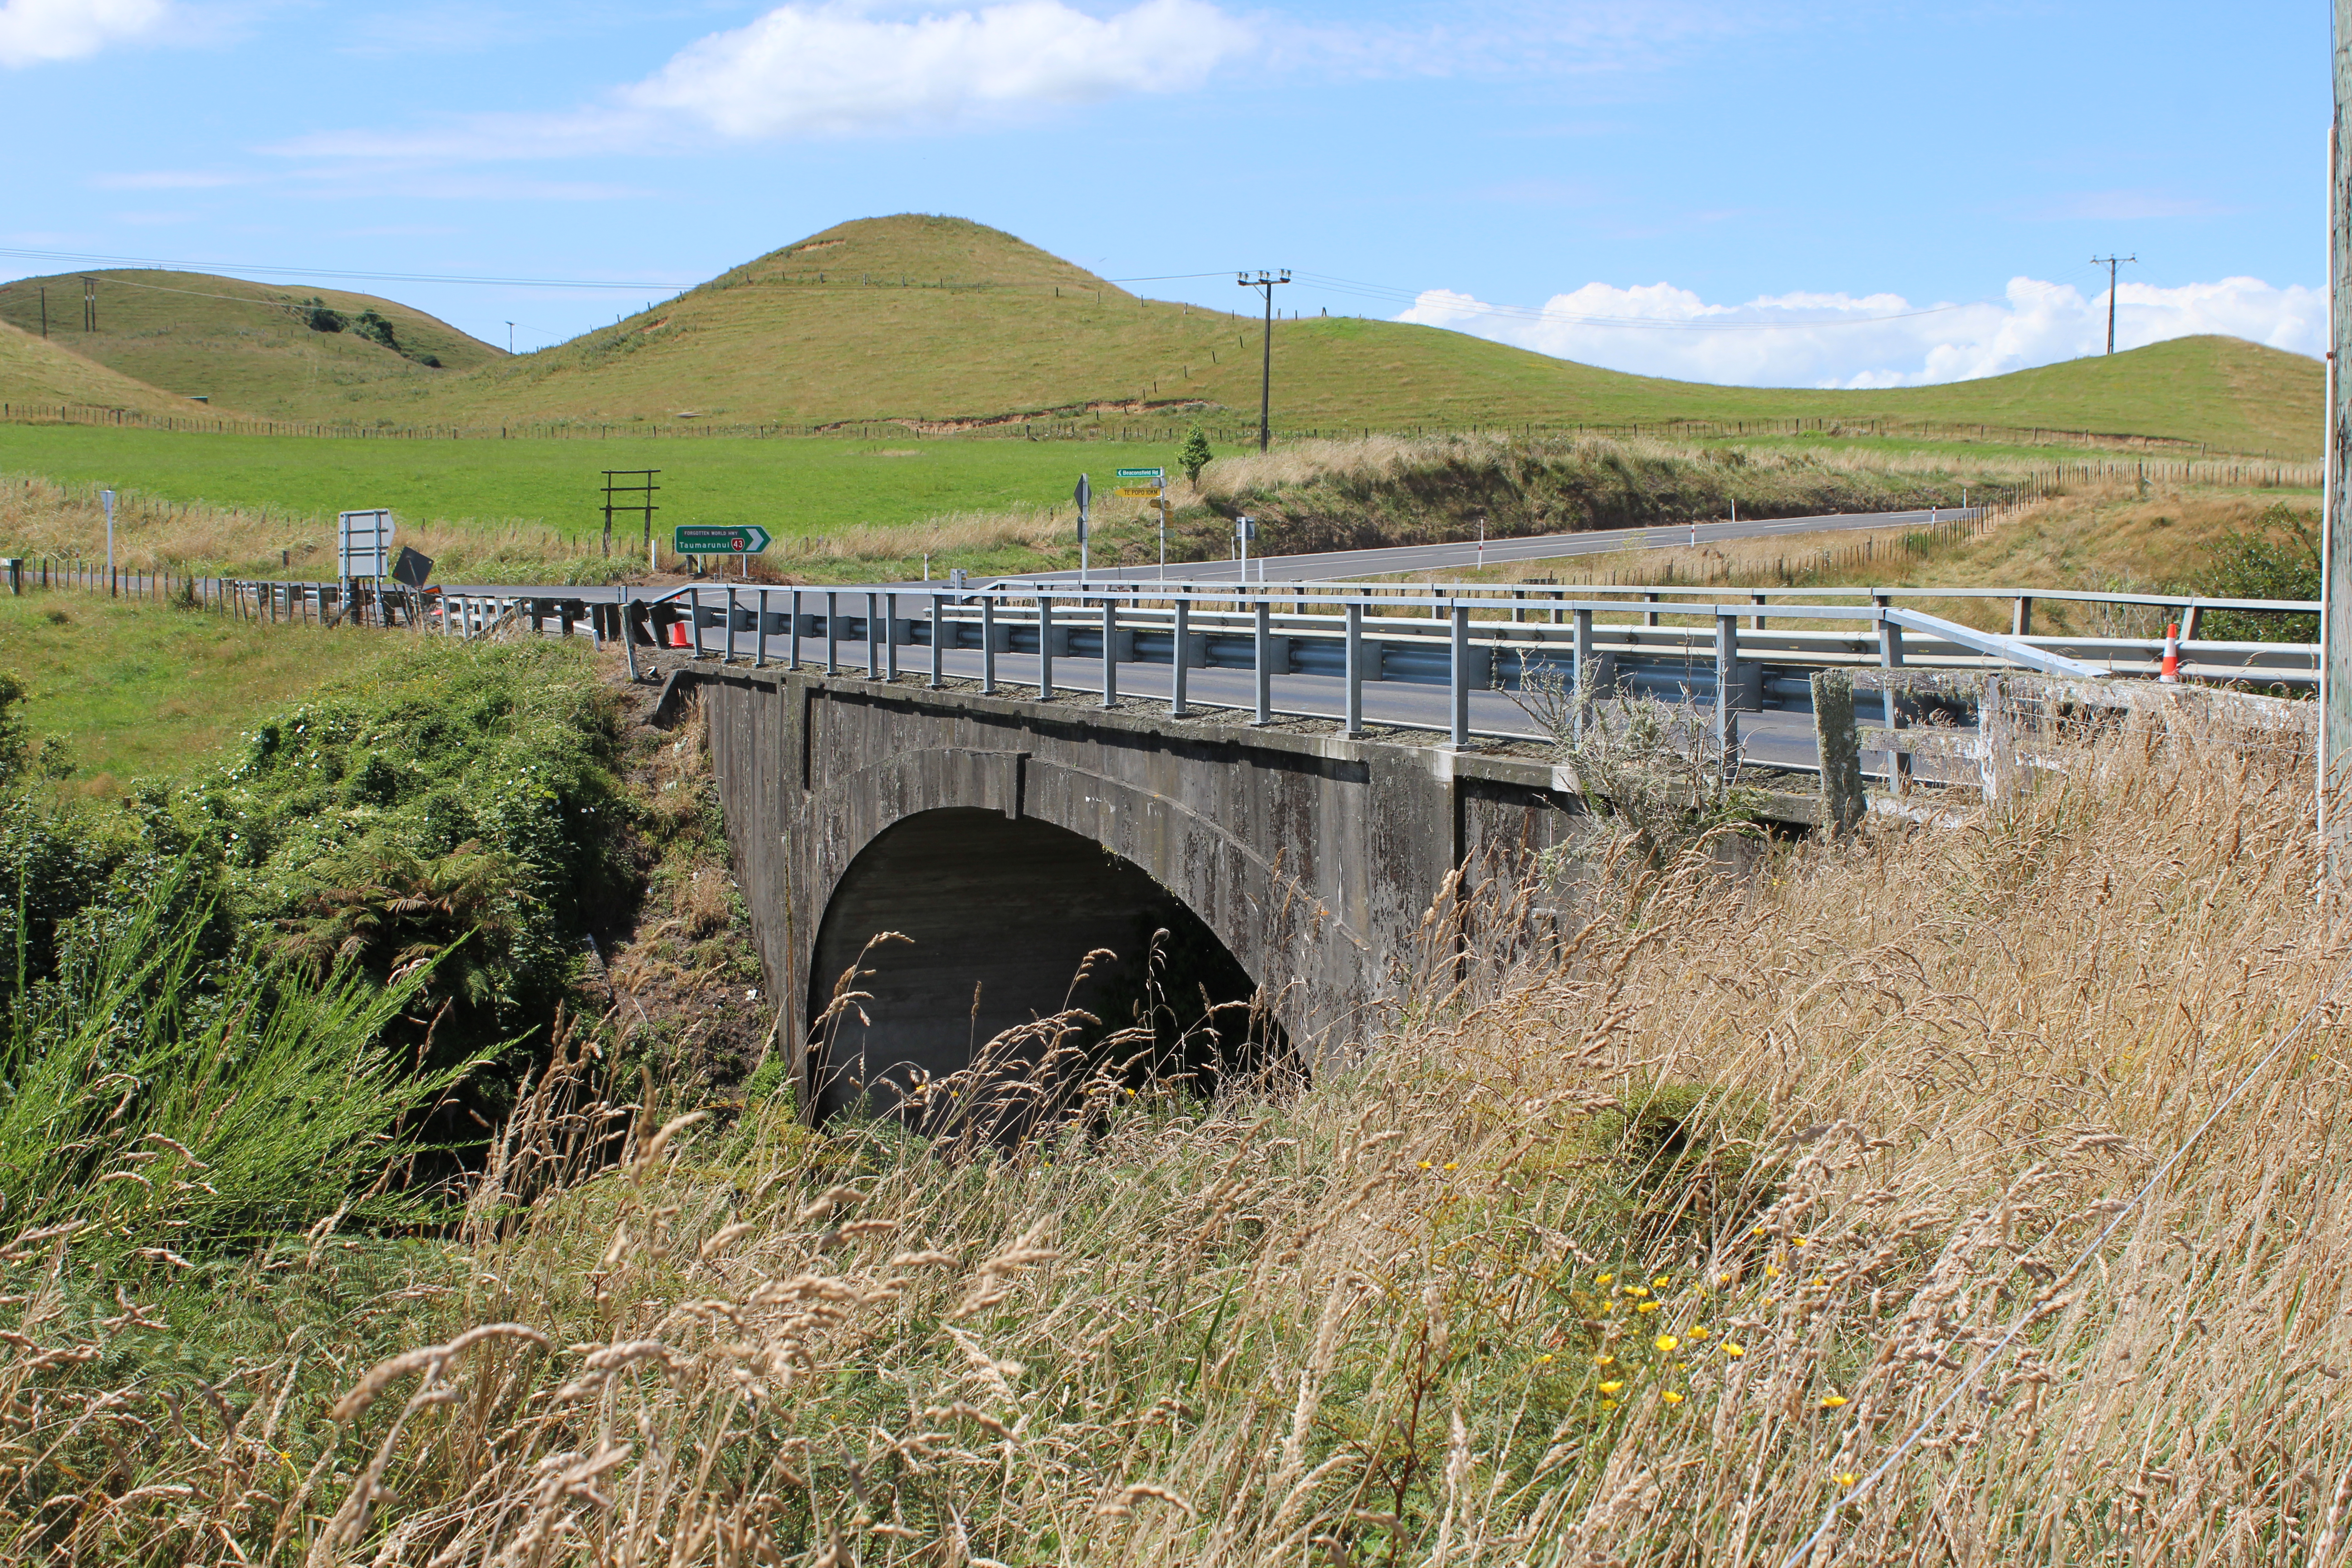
80,257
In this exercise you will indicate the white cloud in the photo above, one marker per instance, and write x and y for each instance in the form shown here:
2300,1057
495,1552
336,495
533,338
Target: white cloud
34,31
168,180
834,69
1878,340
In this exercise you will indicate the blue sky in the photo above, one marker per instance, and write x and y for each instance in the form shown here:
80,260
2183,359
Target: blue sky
1829,193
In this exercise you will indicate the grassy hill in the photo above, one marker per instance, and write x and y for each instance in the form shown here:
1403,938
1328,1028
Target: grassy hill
244,346
950,325
45,374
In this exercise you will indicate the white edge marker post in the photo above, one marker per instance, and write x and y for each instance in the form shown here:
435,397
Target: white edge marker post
2336,536
1242,532
107,497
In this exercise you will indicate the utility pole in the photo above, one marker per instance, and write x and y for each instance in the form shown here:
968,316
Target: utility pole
510,337
2336,539
1265,281
2110,263
89,304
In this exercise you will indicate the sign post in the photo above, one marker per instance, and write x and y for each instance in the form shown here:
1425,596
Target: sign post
108,496
1155,490
1081,495
363,544
1244,530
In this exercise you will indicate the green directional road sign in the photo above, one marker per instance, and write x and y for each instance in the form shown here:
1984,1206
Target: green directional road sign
741,539
1143,473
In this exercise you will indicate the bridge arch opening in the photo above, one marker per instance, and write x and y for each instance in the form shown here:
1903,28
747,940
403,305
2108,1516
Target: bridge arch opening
999,916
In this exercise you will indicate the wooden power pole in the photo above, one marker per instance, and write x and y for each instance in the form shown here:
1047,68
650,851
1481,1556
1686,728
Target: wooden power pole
2336,586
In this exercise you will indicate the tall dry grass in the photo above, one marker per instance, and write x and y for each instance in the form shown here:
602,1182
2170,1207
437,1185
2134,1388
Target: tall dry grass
41,517
1640,1230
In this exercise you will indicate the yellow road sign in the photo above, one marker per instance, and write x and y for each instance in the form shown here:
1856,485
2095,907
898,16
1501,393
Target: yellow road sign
1141,494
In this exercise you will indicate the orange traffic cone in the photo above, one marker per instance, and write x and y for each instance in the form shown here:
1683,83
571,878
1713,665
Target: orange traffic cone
678,638
2171,670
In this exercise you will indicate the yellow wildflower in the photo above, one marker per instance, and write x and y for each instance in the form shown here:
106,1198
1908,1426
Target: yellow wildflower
1846,1478
1633,1290
1800,1241
1608,1404
1671,1397
1456,1165
1647,1307
1602,1278
1734,1349
1543,1358
1424,1164
1666,1343
1724,1278
1612,1387
1699,1331
1771,1272
1758,1231
1659,1282
1831,1401
1604,1361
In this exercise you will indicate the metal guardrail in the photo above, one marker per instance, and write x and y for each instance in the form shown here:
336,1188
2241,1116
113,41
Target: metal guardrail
1722,652
1421,637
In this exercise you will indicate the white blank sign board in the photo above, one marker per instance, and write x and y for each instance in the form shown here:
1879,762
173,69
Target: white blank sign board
363,543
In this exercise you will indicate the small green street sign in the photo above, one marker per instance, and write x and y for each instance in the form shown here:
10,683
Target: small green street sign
1143,473
743,539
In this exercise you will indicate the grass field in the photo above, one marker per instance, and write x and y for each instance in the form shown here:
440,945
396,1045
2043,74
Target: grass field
790,486
137,689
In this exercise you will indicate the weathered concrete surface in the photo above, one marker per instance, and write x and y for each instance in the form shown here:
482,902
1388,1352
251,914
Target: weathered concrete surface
979,826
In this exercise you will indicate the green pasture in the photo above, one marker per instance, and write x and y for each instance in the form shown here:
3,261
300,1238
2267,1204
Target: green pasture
136,688
790,486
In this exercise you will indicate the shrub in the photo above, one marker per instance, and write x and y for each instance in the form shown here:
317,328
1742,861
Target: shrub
2274,557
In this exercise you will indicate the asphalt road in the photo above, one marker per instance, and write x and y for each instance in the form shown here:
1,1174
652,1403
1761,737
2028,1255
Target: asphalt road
1770,739
1411,558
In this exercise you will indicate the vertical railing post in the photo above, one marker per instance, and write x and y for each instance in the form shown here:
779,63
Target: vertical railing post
1354,724
889,636
1727,677
1110,650
988,645
1758,599
1262,662
694,614
628,636
1651,618
1183,657
1458,707
760,632
727,645
939,639
833,633
873,654
1045,646
794,647
2021,616
1581,672
1890,656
